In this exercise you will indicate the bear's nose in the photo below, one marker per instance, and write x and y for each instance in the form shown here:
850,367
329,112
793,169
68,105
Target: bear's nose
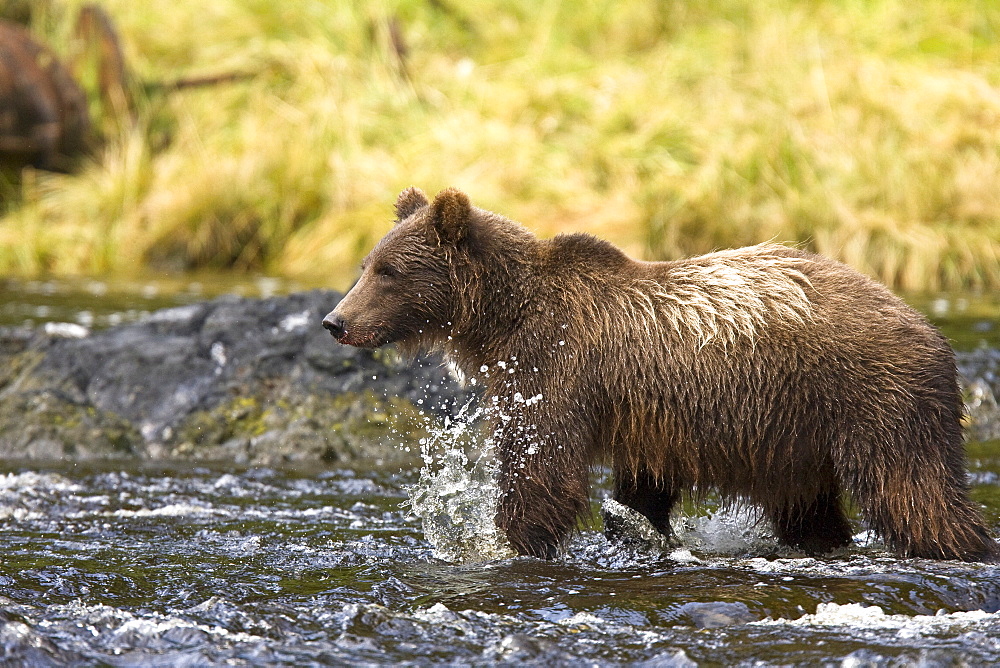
335,324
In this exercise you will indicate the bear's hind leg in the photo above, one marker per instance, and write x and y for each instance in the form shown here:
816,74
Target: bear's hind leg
921,512
816,526
644,494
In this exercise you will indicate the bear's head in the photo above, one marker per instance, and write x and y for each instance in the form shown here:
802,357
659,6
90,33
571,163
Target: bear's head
405,292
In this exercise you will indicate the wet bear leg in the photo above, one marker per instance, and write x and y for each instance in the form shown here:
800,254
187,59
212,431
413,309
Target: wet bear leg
925,511
815,526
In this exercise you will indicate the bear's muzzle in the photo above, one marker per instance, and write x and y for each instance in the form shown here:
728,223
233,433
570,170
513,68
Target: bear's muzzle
335,325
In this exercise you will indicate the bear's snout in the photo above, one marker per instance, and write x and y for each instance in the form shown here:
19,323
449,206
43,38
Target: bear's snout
335,325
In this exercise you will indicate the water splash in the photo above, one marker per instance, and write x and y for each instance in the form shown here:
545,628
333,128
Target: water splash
456,496
728,530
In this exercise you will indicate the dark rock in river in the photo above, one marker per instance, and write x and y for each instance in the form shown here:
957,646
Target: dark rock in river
246,380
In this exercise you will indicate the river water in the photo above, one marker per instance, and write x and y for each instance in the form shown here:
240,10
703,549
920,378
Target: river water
180,565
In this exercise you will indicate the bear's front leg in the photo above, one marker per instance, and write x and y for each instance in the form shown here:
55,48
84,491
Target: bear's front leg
544,485
537,520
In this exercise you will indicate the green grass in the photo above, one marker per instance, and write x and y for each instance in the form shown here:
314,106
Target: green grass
867,131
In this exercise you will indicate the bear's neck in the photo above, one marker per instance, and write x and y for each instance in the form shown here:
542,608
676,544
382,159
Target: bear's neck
515,282
497,291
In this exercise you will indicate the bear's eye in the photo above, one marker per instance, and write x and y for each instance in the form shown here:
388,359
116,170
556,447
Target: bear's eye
388,271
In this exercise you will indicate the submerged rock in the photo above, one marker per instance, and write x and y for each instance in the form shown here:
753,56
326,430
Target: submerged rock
255,381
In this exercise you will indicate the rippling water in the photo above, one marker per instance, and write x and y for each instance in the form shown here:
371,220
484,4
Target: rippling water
195,566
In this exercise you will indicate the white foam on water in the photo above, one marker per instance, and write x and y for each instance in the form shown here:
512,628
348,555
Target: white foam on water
872,617
18,513
22,494
37,482
171,510
135,628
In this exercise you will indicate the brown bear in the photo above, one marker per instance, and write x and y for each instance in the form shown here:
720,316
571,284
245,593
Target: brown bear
772,375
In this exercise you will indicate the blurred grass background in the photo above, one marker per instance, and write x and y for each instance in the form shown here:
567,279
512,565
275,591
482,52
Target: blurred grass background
868,131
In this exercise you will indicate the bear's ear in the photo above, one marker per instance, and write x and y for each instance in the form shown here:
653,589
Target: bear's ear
408,202
450,216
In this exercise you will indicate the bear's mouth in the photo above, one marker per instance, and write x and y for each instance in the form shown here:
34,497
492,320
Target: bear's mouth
373,338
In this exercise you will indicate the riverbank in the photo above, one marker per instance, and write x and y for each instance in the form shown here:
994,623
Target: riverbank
863,131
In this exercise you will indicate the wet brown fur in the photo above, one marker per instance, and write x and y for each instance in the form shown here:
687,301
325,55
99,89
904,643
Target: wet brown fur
767,373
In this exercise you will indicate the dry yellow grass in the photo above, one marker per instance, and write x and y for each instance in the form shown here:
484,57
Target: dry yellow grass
867,131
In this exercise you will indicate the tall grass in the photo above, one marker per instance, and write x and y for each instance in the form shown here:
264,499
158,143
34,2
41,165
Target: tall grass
867,131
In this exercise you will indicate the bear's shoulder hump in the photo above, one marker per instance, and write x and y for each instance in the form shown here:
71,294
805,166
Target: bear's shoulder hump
581,248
